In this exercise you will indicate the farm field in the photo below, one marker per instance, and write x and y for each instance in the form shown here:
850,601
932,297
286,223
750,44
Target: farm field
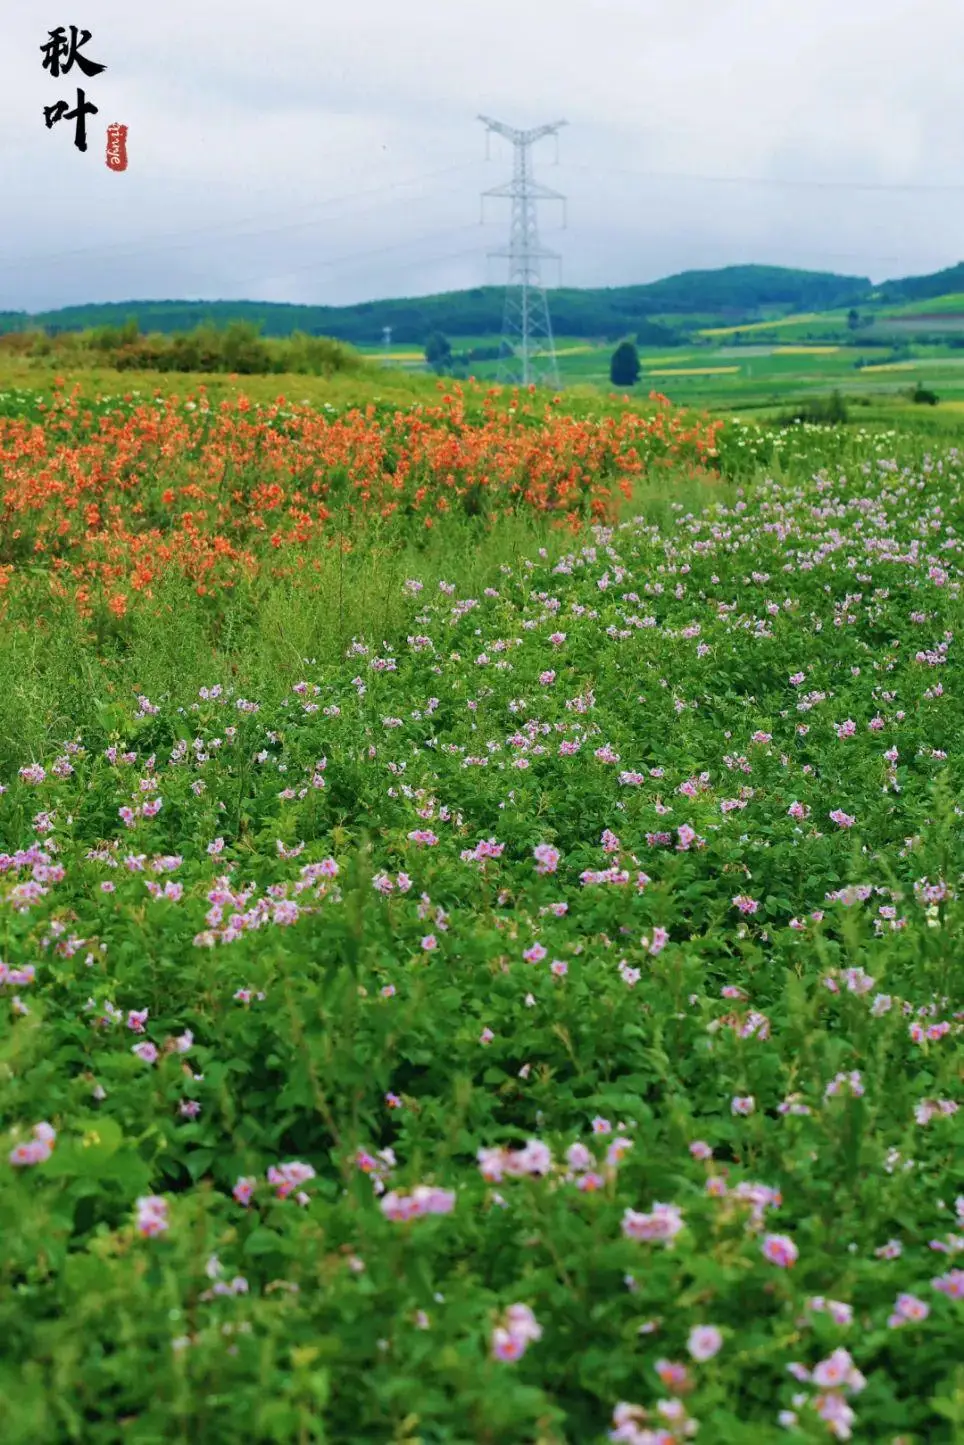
481,950
754,377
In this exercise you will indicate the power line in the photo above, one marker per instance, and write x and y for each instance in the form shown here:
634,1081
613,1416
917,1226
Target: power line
779,182
146,243
364,256
526,323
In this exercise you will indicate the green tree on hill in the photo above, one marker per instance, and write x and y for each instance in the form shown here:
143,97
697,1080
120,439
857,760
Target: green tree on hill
438,351
624,367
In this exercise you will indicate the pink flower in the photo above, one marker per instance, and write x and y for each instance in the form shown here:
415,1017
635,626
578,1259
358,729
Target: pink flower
951,1284
672,1375
507,1347
535,1158
547,858
745,904
424,1199
244,1189
147,1052
662,1224
287,1177
893,1249
151,1216
513,1335
486,1036
743,1105
851,1082
492,1164
522,1322
842,819
700,1150
779,1249
908,1310
836,1372
578,1157
704,1342
35,1150
619,1147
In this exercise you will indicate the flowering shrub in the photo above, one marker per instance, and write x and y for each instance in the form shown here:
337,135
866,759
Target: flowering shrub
543,1026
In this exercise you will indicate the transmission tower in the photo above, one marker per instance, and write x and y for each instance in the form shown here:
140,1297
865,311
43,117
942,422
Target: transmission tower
529,354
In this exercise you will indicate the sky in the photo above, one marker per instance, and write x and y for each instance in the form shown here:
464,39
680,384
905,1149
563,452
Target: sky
333,153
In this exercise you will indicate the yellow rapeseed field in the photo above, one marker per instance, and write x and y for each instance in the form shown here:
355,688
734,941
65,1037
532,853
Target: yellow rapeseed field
892,366
691,371
762,325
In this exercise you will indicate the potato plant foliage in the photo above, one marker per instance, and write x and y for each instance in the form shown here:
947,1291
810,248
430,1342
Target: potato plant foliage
541,1025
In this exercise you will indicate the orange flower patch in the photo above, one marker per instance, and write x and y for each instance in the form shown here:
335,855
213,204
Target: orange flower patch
112,503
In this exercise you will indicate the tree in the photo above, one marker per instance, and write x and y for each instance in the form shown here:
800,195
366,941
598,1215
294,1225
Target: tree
438,351
624,367
243,349
853,319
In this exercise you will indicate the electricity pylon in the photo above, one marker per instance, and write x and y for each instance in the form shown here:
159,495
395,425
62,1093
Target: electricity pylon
528,351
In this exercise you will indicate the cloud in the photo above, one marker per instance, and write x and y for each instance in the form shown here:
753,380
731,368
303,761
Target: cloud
332,154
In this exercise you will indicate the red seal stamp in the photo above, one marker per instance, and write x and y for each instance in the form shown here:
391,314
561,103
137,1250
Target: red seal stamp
117,147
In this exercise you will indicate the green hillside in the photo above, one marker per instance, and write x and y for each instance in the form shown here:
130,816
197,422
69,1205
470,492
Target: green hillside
744,305
923,288
734,293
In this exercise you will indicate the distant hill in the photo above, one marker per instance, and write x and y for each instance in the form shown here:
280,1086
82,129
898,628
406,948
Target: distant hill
922,288
660,313
731,294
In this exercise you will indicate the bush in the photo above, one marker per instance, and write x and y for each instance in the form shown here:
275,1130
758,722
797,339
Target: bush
823,411
624,367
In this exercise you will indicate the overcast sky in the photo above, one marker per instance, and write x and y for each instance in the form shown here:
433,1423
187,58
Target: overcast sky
332,153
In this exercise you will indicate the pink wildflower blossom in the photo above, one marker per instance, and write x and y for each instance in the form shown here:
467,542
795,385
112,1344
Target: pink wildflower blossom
35,1150
151,1217
779,1249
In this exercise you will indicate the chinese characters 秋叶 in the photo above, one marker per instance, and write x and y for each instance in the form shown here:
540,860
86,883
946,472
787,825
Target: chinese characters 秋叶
61,53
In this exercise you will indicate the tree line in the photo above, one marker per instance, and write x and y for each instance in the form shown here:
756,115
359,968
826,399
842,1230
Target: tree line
237,348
